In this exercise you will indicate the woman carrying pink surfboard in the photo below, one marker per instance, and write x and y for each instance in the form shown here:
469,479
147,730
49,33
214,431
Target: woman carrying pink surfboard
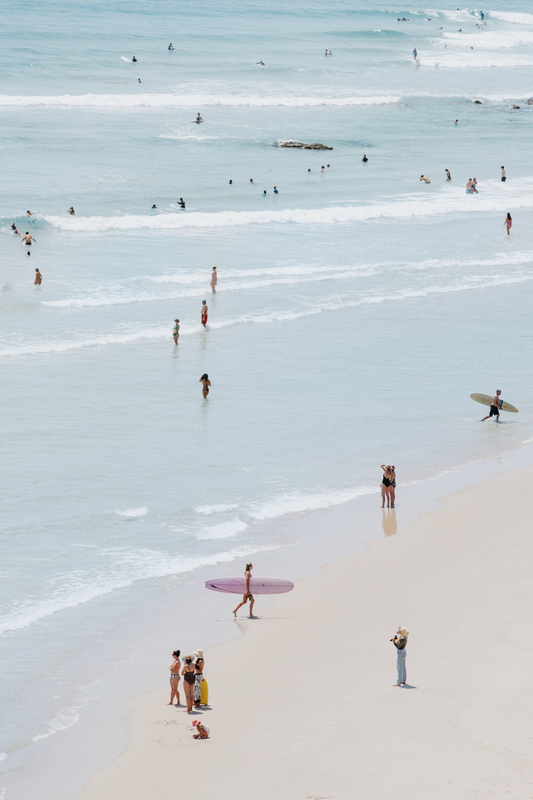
247,595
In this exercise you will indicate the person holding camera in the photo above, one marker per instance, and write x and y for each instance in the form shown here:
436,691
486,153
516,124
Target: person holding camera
399,641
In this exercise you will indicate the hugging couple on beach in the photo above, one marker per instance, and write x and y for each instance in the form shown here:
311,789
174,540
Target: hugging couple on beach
388,486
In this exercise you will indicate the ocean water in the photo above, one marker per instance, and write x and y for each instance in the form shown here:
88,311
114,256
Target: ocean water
356,310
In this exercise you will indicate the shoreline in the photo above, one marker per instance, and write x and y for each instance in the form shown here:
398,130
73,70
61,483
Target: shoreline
321,537
307,702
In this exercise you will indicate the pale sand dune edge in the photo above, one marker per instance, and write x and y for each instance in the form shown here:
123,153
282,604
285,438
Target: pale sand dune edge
303,704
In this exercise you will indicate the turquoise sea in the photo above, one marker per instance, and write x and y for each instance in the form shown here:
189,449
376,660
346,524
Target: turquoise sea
356,310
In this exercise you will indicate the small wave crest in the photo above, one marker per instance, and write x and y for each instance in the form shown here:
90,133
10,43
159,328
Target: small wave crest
187,101
224,530
133,512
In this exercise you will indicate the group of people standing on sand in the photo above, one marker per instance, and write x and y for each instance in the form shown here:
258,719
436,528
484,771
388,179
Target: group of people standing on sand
194,683
388,485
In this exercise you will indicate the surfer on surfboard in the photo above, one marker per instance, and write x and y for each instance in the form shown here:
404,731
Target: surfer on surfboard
495,407
247,595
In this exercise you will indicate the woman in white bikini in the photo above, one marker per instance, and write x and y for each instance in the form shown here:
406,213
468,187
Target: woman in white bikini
175,678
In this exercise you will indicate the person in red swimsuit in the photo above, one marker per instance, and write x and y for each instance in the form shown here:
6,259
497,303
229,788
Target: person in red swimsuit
204,313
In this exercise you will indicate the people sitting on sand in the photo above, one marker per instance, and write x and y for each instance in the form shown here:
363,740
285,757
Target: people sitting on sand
202,731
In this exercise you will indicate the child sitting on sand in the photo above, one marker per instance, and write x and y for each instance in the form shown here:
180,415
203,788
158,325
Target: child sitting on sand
202,731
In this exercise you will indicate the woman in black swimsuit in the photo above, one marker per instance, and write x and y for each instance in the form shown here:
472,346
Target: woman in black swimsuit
188,673
386,483
207,383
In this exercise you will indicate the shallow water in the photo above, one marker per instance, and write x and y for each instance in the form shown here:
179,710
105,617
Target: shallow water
356,310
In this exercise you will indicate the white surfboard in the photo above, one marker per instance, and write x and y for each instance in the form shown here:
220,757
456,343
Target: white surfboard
127,59
486,400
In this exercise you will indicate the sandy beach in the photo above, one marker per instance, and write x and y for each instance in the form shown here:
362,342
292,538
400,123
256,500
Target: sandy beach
303,704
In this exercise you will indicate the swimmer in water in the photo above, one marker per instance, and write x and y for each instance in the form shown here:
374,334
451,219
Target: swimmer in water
508,223
264,192
198,118
71,211
365,159
275,190
415,53
204,313
28,253
134,60
154,206
322,169
309,170
425,179
14,227
27,239
456,122
31,213
15,231
231,183
170,46
251,180
176,331
38,278
214,280
140,81
502,179
206,384
448,176
181,202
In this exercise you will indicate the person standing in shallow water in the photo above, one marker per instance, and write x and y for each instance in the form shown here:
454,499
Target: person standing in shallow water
176,331
399,641
508,223
206,383
204,313
175,678
214,280
38,278
247,595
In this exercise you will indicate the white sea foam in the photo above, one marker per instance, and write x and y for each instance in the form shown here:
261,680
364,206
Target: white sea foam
124,568
512,16
188,101
300,503
490,39
62,720
133,512
431,204
224,530
216,509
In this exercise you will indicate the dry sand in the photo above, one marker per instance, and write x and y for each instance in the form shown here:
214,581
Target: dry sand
303,704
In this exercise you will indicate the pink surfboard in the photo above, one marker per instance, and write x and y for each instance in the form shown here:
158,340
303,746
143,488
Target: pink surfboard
257,585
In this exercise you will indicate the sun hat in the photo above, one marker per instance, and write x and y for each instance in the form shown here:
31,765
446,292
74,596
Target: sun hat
404,631
199,653
195,721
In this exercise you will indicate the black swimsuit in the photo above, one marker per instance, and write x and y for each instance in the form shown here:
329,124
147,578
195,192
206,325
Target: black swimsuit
386,481
189,677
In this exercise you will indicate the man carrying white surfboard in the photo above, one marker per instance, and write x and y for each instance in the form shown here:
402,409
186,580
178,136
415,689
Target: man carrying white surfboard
495,406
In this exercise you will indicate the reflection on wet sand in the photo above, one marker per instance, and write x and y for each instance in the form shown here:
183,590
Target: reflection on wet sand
388,522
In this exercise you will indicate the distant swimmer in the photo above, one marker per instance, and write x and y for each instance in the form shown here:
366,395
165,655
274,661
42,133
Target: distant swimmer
170,46
140,81
424,178
469,189
199,118
13,226
502,179
471,48
206,384
16,233
275,190
214,280
448,176
181,202
31,213
309,170
495,406
459,30
71,211
264,192
28,253
260,63
231,183
327,165
508,223
365,159
27,239
134,60
482,15
38,278
154,206
204,313
330,53
251,180
415,54
176,331
326,53
456,122
322,169
474,186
